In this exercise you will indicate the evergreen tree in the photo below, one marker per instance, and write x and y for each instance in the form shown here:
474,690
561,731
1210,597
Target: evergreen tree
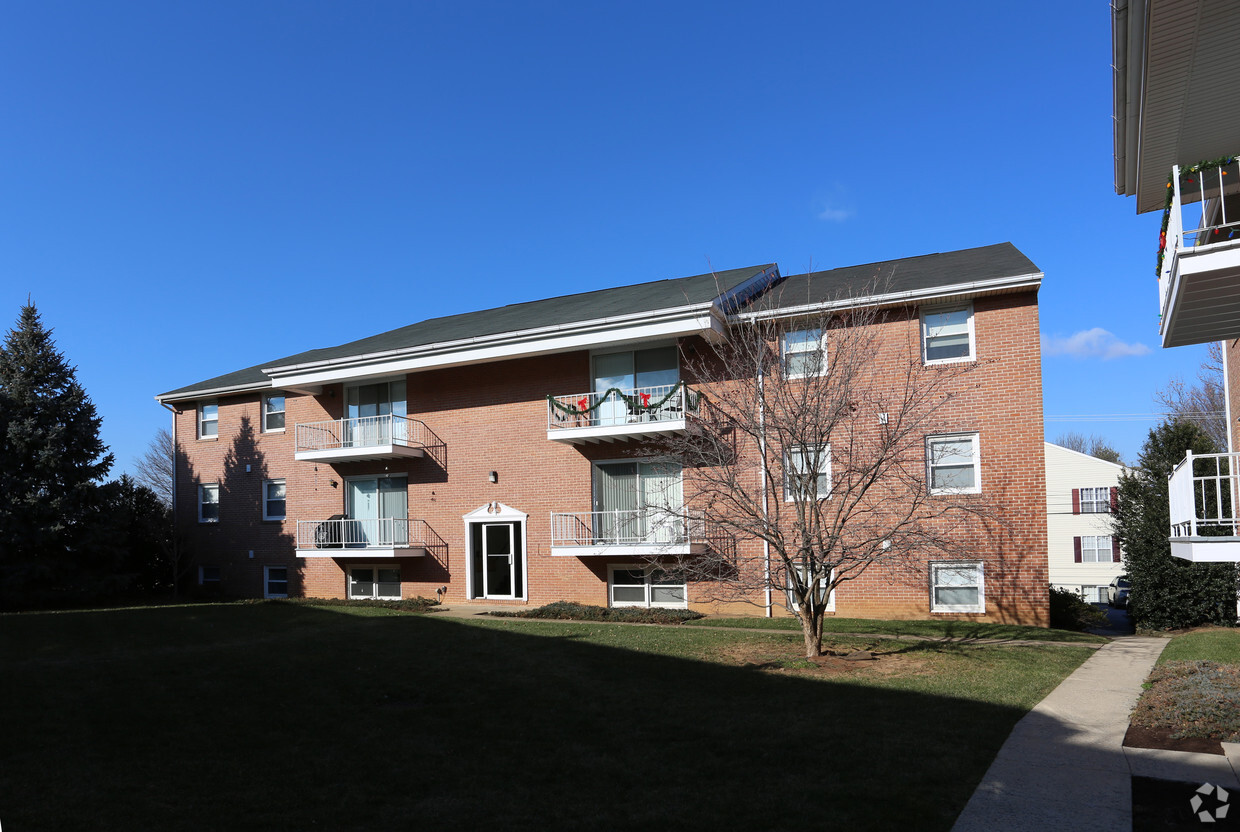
1167,592
52,459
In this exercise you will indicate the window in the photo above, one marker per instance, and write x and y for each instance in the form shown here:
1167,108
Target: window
375,583
804,353
823,583
208,575
208,420
957,587
947,334
273,413
807,473
953,464
209,503
1095,501
273,500
636,586
1094,594
275,580
1096,549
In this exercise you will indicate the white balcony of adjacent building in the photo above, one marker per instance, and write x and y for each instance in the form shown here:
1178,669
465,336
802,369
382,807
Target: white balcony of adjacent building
648,532
620,414
1199,268
382,537
1204,492
366,437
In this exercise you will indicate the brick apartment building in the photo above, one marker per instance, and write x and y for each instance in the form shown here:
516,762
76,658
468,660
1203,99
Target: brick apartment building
452,455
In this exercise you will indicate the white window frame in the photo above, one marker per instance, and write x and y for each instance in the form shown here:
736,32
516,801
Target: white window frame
202,501
975,438
648,572
794,606
267,515
267,580
824,488
979,607
1105,502
203,421
925,334
283,411
802,347
203,580
1108,551
348,582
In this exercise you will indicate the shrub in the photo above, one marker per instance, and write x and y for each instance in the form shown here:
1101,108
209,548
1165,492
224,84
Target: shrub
1192,699
1070,612
418,604
568,611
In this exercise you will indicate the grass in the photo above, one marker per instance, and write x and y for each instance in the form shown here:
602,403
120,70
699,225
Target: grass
293,716
931,629
1214,644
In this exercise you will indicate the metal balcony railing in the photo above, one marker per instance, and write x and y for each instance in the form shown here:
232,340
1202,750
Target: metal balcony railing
1203,492
367,432
1196,217
375,533
617,408
654,527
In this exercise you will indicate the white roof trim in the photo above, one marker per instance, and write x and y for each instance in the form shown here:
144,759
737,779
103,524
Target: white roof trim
190,395
958,290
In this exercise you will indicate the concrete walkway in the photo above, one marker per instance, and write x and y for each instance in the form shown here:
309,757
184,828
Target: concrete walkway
1064,765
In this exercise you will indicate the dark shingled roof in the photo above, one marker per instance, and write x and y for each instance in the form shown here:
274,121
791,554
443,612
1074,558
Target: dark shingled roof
910,274
567,309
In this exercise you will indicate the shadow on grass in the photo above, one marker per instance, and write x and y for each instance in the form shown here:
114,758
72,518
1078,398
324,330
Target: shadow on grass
296,717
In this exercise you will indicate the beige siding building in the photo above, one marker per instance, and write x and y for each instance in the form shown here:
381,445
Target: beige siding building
1080,495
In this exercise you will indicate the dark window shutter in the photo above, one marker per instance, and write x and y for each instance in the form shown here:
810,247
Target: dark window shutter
1116,557
1076,502
1076,549
1114,499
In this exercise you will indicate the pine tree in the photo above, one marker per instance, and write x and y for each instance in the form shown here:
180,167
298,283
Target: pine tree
1167,592
51,456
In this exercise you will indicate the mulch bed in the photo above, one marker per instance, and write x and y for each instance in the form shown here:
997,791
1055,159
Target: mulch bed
1160,738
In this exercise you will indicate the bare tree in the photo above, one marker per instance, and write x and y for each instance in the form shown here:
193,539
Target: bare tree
154,469
1203,403
1094,446
819,449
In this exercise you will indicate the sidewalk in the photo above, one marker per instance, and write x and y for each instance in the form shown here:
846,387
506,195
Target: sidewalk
1064,765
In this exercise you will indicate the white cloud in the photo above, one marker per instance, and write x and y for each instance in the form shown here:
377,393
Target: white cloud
833,214
1091,343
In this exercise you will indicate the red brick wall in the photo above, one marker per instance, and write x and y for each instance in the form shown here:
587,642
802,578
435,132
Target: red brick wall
493,417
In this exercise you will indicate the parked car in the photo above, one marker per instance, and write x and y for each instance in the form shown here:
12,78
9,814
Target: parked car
1118,591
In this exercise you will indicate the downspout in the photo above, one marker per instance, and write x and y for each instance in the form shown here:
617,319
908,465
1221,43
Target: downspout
1231,461
766,544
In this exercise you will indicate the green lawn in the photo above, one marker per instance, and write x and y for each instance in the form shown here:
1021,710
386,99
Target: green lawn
282,716
932,629
1218,645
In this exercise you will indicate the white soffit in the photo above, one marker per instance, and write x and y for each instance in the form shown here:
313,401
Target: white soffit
1191,79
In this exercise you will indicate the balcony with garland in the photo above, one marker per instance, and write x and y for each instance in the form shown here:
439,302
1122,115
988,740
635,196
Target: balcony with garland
1199,254
616,415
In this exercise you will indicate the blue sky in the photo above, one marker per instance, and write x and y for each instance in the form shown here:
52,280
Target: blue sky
193,188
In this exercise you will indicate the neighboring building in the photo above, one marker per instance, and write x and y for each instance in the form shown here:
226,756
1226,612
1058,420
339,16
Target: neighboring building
451,456
1176,141
1080,496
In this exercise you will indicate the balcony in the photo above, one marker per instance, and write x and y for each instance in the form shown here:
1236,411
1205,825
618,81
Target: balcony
636,533
618,415
368,437
383,537
1199,257
1203,496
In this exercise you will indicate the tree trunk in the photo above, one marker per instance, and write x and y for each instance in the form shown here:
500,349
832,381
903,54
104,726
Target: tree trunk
811,629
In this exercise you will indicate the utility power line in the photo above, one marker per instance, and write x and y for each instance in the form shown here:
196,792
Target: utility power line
1200,415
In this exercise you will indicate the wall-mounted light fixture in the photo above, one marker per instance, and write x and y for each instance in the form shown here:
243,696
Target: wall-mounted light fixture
494,477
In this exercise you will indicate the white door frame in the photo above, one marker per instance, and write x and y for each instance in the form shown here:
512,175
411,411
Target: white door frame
497,512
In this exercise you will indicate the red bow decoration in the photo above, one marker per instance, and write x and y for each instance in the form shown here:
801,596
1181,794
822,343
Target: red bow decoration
582,402
645,399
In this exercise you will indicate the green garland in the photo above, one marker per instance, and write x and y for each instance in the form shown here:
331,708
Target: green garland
1200,167
691,401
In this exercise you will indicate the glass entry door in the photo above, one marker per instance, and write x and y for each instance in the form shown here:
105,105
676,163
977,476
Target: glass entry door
380,509
368,408
653,371
497,560
637,502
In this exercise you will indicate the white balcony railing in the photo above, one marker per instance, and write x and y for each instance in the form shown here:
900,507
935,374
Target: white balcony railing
1202,491
640,527
375,533
360,437
664,403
